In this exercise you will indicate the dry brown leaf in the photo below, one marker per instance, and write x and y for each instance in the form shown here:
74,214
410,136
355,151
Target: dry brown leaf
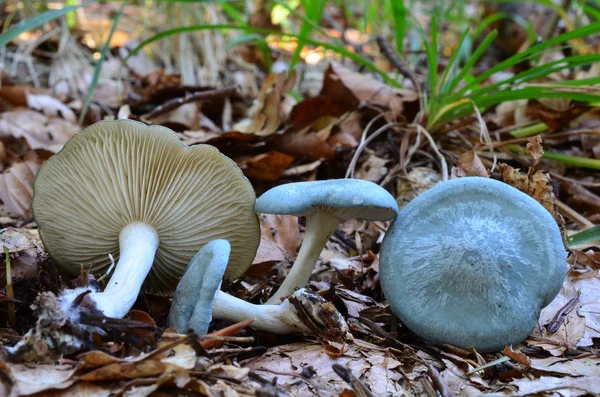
375,368
267,166
115,371
82,390
573,366
547,385
373,169
280,238
469,164
40,131
49,106
271,108
35,378
16,182
366,88
570,331
26,251
309,146
516,356
17,94
537,185
418,180
534,148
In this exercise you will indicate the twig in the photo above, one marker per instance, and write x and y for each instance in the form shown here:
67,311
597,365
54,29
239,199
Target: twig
573,215
357,386
12,317
196,96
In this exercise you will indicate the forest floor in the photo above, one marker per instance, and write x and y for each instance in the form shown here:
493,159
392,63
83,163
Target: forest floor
522,110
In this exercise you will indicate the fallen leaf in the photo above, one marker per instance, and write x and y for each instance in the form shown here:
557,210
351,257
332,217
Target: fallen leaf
279,238
270,108
573,387
537,185
570,331
469,164
267,166
516,356
534,148
50,106
373,169
35,378
418,180
366,88
16,182
309,146
40,131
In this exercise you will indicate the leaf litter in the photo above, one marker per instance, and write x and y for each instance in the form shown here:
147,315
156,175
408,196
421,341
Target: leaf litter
275,138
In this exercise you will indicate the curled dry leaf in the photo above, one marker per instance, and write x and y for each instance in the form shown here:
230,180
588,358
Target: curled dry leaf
535,149
538,186
372,169
271,107
26,251
376,368
267,166
40,131
418,180
469,164
365,87
309,146
32,379
50,106
279,238
568,333
16,182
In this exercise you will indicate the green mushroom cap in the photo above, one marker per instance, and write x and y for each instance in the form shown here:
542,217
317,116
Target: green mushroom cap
471,262
344,198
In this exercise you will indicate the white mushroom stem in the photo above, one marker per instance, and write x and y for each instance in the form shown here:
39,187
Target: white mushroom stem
138,243
319,227
278,319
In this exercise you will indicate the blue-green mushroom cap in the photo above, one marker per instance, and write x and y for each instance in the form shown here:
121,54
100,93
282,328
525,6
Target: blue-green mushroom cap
192,302
471,262
344,198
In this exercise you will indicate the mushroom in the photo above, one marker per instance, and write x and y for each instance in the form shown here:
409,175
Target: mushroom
471,262
138,193
198,298
324,204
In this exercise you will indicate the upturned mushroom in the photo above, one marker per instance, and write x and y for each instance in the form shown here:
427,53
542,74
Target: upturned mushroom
325,204
198,298
471,262
138,193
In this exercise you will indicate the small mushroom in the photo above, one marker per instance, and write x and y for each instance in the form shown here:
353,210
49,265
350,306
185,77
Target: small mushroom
324,204
198,298
138,193
471,262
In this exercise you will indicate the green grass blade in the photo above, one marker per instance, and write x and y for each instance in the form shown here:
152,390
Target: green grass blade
589,235
575,161
399,16
432,64
530,130
314,11
98,67
34,22
452,66
339,50
517,58
232,12
487,41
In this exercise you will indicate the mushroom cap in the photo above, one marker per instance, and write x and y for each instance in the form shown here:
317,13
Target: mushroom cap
114,173
471,262
192,302
343,198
